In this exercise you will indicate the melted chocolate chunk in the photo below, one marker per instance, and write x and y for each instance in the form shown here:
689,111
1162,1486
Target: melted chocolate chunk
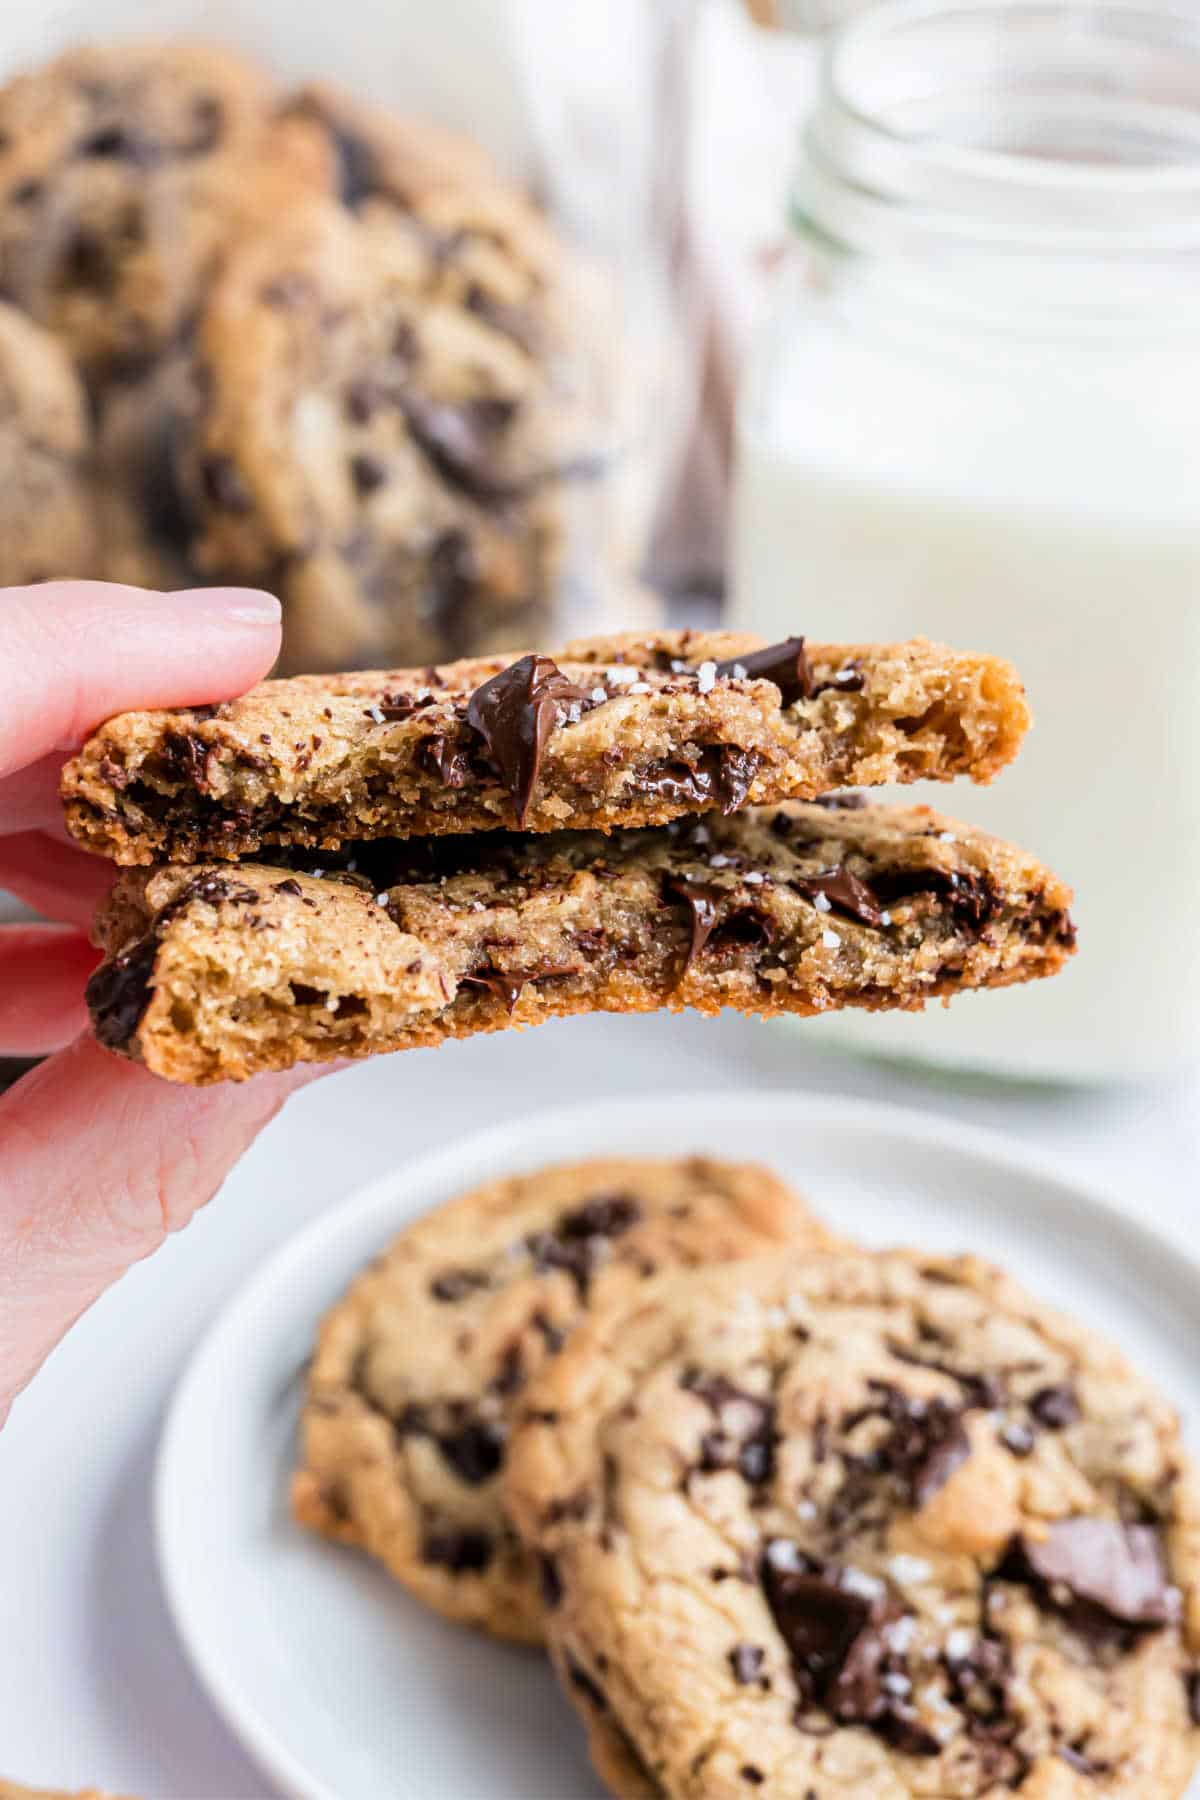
746,1661
580,1679
120,990
973,900
1116,1569
367,473
459,441
514,713
745,1436
121,143
844,892
926,1444
357,167
982,1390
785,664
736,770
472,1447
509,984
838,1645
849,679
455,1284
223,484
515,322
702,899
578,1242
88,262
1055,1407
448,761
462,1552
1191,1684
944,1447
818,1620
1076,1758
550,1582
167,510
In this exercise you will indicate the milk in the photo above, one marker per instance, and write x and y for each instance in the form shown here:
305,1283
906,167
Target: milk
1040,500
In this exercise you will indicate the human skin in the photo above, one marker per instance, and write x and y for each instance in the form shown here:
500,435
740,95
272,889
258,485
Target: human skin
99,1162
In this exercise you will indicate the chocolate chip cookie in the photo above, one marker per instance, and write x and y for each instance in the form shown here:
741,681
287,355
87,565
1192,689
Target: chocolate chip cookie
46,521
419,1367
216,972
123,170
373,446
858,1526
620,731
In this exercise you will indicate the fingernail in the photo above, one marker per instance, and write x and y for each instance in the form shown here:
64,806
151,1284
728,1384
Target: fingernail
237,606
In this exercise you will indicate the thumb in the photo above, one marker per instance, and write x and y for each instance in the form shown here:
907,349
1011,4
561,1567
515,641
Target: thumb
99,1161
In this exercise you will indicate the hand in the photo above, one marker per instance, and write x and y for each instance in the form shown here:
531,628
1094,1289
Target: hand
98,1159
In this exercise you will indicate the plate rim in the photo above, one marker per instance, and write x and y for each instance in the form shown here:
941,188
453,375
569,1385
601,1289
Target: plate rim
260,1740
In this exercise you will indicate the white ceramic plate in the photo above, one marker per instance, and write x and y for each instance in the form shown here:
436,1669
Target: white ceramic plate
339,1685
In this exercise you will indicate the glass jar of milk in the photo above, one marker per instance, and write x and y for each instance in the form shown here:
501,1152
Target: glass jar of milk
976,415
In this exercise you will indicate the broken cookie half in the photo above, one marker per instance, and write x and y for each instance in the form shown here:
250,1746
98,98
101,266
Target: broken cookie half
616,732
215,972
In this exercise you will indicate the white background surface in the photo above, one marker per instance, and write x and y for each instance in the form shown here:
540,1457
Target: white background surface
94,1686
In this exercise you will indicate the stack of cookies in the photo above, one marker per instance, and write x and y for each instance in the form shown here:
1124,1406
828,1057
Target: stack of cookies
288,341
793,1518
335,866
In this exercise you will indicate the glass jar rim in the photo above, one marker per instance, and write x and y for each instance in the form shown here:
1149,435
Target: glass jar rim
1048,125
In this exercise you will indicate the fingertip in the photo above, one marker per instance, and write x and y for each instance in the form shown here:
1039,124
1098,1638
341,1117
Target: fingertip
233,606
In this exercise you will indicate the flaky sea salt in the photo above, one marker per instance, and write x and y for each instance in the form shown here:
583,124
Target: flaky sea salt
599,695
830,939
909,1568
381,899
857,1581
706,677
620,675
901,1633
373,712
821,902
958,1643
641,687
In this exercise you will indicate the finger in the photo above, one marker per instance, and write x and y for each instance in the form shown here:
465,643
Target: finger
43,969
54,878
29,799
100,1161
74,652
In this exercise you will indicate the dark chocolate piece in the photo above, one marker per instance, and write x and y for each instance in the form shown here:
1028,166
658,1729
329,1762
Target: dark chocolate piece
845,894
745,1435
1116,1568
462,1552
577,1243
1055,1407
702,899
514,713
785,664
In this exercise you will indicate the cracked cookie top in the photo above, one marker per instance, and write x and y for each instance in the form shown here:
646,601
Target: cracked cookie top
864,1525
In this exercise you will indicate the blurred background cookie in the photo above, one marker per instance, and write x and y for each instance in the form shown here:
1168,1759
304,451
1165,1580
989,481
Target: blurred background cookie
46,513
122,171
